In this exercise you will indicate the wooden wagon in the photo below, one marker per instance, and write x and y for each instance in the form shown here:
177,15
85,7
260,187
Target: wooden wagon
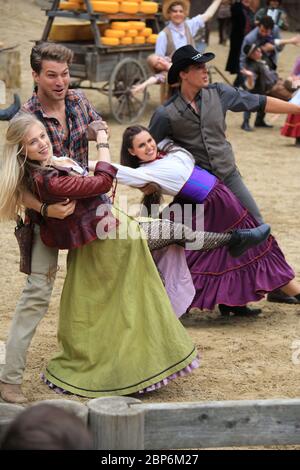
112,70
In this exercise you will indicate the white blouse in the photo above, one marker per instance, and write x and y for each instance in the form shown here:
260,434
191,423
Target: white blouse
170,172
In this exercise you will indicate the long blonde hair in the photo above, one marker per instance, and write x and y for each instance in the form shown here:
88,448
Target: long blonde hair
13,165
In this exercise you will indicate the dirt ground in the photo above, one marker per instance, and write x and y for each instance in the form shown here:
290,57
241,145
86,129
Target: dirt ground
241,358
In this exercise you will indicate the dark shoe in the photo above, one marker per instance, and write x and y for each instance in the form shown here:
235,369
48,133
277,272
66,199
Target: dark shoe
280,297
297,142
242,311
246,127
263,124
243,239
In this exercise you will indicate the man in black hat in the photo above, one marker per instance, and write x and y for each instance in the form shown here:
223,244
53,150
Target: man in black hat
195,119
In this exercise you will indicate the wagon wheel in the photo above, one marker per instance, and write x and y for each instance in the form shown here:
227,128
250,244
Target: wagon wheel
125,106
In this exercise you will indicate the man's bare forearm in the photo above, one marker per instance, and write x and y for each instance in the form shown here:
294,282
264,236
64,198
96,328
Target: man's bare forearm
274,105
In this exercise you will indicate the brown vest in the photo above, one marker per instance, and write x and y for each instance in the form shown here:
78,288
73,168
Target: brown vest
170,43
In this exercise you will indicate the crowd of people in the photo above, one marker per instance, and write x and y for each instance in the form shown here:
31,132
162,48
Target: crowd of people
128,280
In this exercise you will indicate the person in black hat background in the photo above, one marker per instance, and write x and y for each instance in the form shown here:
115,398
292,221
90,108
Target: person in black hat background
195,119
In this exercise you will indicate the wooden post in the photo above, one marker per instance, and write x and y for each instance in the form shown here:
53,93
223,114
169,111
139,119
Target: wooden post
115,424
78,409
7,414
10,68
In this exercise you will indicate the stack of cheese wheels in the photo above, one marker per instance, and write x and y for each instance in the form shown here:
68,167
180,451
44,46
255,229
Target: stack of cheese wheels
130,32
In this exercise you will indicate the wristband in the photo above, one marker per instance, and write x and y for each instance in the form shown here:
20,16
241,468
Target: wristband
44,210
102,145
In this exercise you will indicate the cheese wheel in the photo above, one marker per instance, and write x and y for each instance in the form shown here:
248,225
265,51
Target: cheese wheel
152,38
126,40
114,33
106,6
138,25
148,7
129,7
122,25
145,32
132,33
66,32
110,41
69,5
139,40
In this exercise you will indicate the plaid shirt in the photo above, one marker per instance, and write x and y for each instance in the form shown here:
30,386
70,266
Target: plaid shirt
79,113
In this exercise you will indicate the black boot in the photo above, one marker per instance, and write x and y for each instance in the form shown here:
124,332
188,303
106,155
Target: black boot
297,142
260,120
279,297
246,126
239,311
243,239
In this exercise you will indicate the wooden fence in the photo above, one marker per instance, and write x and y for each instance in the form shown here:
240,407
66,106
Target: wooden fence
119,423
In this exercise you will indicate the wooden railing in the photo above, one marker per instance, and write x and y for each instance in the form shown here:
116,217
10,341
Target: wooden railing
119,423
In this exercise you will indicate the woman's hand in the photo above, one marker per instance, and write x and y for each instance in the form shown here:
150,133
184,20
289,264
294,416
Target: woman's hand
94,127
61,210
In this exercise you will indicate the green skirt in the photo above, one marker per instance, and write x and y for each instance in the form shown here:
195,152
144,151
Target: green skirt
117,331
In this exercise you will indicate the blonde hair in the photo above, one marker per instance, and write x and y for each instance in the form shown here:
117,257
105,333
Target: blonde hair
12,165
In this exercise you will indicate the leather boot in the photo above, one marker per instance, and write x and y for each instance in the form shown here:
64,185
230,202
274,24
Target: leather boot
243,239
239,311
278,296
12,393
246,126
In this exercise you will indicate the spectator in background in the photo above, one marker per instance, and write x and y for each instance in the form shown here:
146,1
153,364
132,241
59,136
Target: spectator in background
47,427
224,21
291,127
267,36
277,14
242,21
180,31
260,79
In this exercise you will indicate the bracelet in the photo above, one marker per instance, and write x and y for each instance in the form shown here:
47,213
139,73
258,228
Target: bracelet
44,210
102,145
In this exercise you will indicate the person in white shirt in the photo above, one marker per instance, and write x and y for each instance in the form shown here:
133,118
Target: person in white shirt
218,277
181,31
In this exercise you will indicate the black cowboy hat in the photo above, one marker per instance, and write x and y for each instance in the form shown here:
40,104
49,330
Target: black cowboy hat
183,57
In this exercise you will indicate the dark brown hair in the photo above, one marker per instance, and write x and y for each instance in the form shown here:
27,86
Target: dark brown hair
132,161
49,51
47,427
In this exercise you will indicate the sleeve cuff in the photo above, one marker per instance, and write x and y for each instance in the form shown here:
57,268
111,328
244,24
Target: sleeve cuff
262,102
104,167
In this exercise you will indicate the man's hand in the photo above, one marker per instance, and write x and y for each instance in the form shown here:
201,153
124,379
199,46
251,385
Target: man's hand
61,210
150,188
94,127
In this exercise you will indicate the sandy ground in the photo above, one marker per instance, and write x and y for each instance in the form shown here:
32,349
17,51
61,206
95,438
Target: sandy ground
241,358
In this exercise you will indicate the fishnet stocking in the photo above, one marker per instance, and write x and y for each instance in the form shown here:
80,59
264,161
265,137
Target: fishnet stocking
163,232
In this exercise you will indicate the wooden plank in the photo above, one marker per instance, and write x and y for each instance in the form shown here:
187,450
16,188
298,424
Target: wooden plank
115,424
221,424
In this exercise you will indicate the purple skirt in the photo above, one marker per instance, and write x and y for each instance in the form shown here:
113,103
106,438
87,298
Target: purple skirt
220,279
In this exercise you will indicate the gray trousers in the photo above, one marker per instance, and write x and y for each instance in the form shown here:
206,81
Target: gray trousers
236,184
31,308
